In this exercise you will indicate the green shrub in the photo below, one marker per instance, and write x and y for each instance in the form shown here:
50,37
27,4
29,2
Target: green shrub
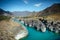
4,17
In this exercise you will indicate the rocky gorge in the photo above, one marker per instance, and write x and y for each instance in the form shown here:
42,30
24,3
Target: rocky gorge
43,25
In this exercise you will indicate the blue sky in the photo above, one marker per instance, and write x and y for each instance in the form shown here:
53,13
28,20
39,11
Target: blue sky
26,5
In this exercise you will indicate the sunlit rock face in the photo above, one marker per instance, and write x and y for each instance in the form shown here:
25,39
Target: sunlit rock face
51,28
19,31
43,28
38,27
21,34
30,25
43,24
22,21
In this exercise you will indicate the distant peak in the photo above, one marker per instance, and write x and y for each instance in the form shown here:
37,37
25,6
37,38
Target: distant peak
56,4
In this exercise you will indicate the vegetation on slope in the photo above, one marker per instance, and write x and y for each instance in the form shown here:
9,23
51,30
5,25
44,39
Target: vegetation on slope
8,30
4,18
5,34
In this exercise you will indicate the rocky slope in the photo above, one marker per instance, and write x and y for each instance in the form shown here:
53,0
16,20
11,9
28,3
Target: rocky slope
10,29
5,30
53,9
52,12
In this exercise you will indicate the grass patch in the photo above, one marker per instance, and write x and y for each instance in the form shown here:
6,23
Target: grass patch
4,18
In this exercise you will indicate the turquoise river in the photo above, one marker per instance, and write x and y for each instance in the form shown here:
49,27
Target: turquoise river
33,34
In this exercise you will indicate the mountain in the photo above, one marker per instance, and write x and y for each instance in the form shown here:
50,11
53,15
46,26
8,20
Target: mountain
1,11
21,13
54,9
6,13
51,13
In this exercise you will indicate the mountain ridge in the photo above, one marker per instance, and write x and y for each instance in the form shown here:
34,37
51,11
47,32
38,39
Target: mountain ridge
53,9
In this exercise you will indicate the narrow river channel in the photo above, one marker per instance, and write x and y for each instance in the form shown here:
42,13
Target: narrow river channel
33,34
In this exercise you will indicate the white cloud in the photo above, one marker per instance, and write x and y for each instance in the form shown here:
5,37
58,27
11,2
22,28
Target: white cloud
37,5
25,1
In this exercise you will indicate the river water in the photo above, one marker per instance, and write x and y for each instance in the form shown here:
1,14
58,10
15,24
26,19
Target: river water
33,34
38,35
